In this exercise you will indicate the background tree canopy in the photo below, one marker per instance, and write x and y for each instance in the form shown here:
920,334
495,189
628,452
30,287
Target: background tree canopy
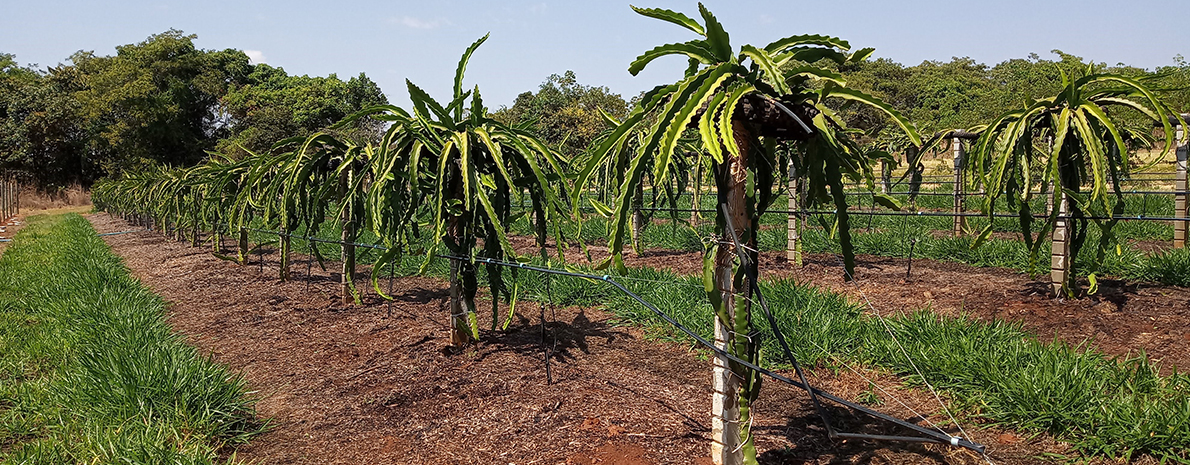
963,93
161,101
565,114
164,101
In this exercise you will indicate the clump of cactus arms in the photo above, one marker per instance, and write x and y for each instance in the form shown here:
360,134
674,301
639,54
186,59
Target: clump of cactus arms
755,112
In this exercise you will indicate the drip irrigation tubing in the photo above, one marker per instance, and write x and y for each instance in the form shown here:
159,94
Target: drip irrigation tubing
970,194
122,232
934,436
926,213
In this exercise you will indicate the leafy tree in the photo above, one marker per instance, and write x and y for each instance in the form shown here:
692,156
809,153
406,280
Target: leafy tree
153,101
40,132
566,115
271,105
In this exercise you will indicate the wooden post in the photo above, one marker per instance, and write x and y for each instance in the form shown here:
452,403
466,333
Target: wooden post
960,222
793,244
1181,208
347,237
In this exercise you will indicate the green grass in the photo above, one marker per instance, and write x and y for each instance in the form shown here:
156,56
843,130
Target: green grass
89,370
995,371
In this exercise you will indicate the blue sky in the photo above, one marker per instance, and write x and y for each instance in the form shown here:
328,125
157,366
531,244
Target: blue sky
394,40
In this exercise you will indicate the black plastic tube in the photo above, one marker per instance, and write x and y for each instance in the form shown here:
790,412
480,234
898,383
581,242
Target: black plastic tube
933,436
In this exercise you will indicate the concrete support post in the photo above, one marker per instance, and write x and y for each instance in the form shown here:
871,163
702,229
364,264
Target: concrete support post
1060,259
1181,207
4,197
885,177
725,404
793,245
347,237
638,217
726,425
960,222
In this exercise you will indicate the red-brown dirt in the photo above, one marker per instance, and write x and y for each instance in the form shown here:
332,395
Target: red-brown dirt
344,383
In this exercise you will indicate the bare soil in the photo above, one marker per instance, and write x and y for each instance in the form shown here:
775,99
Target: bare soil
344,383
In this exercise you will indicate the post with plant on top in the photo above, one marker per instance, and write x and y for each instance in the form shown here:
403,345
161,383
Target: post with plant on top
1180,205
960,222
793,244
1087,149
460,168
739,108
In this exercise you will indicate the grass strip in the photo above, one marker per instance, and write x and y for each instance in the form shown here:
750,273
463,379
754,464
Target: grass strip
89,370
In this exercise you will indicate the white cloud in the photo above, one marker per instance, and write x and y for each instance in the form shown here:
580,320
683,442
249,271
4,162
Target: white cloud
418,23
255,56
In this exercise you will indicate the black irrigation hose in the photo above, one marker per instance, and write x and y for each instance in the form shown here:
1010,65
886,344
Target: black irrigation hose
934,436
924,213
753,271
315,239
122,232
975,194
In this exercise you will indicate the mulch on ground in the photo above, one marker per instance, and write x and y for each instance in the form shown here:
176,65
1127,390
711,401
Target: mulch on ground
345,383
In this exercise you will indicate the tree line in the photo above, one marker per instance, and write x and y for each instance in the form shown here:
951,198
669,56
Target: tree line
935,95
162,101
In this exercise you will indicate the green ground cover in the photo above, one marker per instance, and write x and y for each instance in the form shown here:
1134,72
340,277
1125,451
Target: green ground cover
89,370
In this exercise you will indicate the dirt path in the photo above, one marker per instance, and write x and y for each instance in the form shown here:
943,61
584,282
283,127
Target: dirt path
10,226
350,384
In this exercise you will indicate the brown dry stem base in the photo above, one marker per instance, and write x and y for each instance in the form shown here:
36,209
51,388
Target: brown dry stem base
347,384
